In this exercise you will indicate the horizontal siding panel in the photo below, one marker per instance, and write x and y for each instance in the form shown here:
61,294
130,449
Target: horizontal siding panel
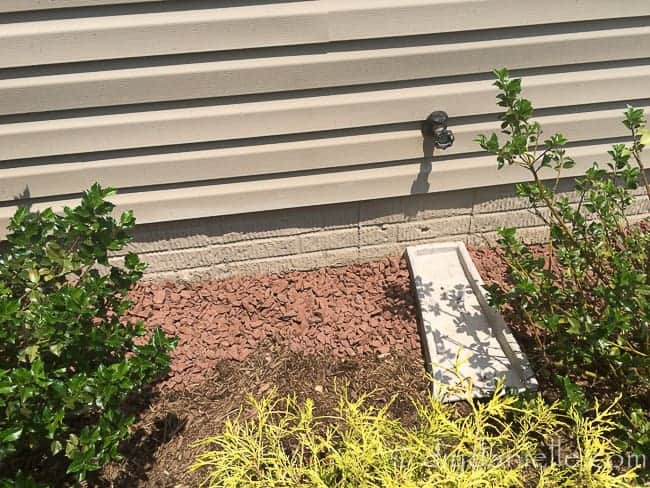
49,178
317,189
27,5
218,29
97,88
426,13
148,34
307,114
362,19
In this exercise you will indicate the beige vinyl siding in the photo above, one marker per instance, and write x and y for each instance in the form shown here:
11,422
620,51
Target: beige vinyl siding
264,158
210,75
282,23
318,189
194,109
166,126
27,5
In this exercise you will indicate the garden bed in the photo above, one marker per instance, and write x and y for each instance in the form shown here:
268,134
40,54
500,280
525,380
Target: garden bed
308,333
171,421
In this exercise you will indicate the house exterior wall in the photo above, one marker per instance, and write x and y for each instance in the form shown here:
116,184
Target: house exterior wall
297,118
329,235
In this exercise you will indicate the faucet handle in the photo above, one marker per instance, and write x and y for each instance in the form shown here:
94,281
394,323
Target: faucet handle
435,126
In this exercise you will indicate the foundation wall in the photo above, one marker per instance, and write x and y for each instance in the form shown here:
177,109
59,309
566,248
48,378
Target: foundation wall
330,235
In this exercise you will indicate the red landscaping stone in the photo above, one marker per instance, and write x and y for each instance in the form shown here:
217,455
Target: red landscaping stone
345,312
159,296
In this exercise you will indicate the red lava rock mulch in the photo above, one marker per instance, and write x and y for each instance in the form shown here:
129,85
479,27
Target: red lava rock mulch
345,312
490,264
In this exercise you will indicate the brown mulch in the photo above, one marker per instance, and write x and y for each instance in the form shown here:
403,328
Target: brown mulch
345,312
172,421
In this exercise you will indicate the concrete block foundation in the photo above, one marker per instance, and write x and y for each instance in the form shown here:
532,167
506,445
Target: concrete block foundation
331,235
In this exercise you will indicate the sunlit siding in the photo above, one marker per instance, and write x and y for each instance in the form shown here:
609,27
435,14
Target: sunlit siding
205,108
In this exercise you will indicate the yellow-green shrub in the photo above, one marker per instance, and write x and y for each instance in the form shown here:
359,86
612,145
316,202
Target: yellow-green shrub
495,445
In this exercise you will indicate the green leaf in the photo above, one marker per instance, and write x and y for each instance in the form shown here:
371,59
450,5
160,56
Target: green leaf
574,326
71,445
12,434
502,73
34,276
31,353
127,219
56,349
634,117
568,164
644,137
131,260
55,447
575,397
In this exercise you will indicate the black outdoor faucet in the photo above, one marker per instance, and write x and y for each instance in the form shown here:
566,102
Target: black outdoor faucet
435,126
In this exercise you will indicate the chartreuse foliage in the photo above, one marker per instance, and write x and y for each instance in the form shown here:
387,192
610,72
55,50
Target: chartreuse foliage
590,301
499,443
67,360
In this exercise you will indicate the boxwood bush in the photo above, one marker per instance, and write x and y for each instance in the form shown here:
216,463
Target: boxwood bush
68,360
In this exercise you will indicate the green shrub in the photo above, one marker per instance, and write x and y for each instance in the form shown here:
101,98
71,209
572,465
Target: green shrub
67,360
590,298
499,443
